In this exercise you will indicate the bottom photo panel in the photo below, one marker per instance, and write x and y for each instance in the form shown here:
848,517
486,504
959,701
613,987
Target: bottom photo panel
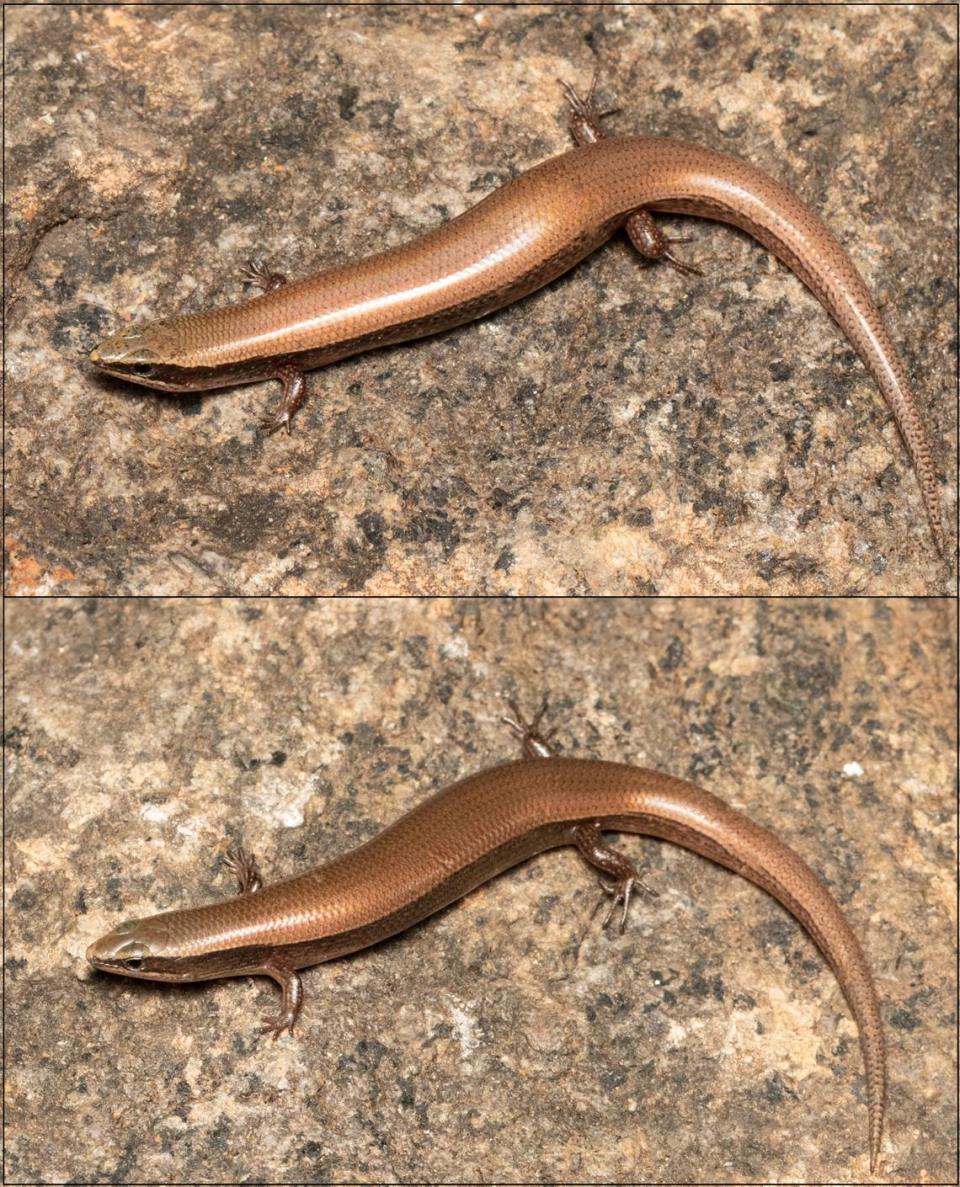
480,890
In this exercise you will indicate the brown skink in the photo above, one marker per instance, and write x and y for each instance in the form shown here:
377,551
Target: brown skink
461,837
516,240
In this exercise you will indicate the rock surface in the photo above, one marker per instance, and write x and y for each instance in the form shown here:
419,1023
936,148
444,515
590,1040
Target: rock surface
709,1041
627,430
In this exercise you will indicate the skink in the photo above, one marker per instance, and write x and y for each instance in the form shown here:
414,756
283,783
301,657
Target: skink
516,240
461,837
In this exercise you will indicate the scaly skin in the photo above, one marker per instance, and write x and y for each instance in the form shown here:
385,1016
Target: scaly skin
516,240
460,838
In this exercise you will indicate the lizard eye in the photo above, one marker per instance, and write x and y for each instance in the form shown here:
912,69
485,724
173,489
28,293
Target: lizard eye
142,369
133,962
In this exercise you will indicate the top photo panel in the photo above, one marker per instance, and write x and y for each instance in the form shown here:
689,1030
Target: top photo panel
479,300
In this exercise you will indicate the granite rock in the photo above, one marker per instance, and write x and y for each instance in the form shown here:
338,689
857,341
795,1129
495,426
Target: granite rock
709,1041
627,430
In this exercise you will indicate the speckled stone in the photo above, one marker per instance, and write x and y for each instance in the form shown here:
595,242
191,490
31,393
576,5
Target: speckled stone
627,430
709,1041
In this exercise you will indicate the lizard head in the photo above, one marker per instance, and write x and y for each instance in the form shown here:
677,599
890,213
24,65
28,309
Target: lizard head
150,355
140,948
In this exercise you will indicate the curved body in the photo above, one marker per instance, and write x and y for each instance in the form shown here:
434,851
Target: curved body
516,240
461,837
